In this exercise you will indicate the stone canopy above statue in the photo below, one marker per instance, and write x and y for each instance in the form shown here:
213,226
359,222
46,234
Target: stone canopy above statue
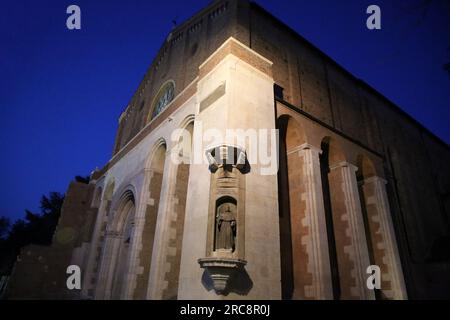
227,156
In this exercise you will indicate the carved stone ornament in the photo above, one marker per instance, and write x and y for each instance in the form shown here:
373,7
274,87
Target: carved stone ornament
226,155
221,271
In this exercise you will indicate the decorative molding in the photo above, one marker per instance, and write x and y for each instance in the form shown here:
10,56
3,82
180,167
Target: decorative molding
226,44
375,179
226,155
305,146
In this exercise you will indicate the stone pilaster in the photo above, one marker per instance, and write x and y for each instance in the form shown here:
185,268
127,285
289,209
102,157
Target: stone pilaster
383,238
317,242
311,263
353,236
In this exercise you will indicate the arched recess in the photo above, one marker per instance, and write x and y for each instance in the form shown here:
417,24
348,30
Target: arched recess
293,254
366,168
123,227
331,154
176,226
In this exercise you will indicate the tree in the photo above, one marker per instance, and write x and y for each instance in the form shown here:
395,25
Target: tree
4,227
36,228
40,227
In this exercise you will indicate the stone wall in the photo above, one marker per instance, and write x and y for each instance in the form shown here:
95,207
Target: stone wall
40,272
415,161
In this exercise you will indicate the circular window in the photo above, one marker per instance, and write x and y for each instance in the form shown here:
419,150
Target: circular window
163,98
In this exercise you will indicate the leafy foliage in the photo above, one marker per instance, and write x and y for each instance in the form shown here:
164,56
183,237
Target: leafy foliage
4,227
36,228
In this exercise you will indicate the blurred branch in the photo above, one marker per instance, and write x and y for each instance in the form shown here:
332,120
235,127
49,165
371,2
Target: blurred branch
82,179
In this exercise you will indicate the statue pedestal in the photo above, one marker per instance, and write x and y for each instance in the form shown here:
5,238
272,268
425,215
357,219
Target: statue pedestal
221,270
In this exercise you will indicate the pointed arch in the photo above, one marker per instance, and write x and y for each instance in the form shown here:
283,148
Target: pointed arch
157,156
121,206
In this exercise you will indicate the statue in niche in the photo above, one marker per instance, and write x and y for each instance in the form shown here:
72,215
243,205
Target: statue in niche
226,227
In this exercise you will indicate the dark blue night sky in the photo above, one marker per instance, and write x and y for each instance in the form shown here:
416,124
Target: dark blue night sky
61,91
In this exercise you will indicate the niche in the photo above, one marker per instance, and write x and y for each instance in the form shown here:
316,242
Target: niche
225,246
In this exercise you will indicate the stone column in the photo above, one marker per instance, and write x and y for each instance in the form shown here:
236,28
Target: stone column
314,219
353,253
383,238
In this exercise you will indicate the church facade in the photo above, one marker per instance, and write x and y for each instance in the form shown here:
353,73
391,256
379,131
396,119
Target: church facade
249,165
